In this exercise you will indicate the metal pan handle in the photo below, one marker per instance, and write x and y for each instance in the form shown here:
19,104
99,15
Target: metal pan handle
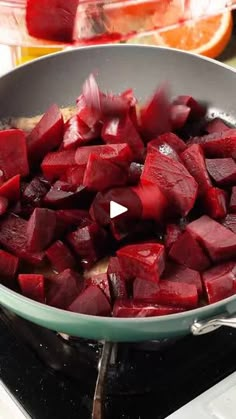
207,326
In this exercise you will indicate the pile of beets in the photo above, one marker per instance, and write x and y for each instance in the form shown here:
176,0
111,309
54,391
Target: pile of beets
175,171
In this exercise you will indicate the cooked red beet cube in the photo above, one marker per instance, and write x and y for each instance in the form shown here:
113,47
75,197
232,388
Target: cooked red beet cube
100,209
13,153
90,117
145,260
166,150
216,125
2,178
40,229
77,133
32,286
181,273
173,180
55,164
73,217
169,293
223,171
173,232
197,109
101,174
232,204
101,281
215,203
89,243
218,144
179,115
46,135
134,173
60,256
154,202
219,242
63,195
117,279
119,154
11,189
130,308
35,191
194,161
8,267
129,96
51,20
13,237
64,288
219,282
168,138
91,301
155,115
3,205
186,251
122,130
74,175
230,222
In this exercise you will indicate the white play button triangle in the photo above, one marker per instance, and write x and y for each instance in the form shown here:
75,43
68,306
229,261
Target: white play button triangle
116,209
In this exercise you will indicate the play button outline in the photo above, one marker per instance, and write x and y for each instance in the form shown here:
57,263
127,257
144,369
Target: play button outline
116,209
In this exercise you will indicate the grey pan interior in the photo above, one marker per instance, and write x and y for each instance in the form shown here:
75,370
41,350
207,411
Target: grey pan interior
31,88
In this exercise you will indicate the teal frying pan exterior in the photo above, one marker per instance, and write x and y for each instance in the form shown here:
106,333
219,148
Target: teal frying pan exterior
30,89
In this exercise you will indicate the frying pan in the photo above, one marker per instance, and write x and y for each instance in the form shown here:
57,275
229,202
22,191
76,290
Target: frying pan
30,89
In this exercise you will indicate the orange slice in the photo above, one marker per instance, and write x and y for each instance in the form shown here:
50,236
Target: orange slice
206,36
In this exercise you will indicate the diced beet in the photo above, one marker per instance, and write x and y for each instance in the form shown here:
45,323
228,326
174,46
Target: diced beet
63,195
55,164
197,109
134,173
89,243
232,204
77,133
91,301
169,293
173,232
168,138
145,260
32,286
60,256
155,115
100,209
179,115
115,105
64,288
2,178
166,150
90,117
101,281
13,237
180,273
194,161
219,282
74,175
13,153
46,135
119,154
116,278
216,125
218,144
186,251
215,203
35,191
122,130
11,189
8,267
130,308
40,229
3,205
73,217
101,174
219,242
51,20
173,180
223,171
154,202
230,222
129,96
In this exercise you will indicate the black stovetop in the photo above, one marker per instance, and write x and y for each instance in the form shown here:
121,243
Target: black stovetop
54,377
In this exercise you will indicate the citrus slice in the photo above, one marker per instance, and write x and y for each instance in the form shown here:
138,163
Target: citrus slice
208,36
